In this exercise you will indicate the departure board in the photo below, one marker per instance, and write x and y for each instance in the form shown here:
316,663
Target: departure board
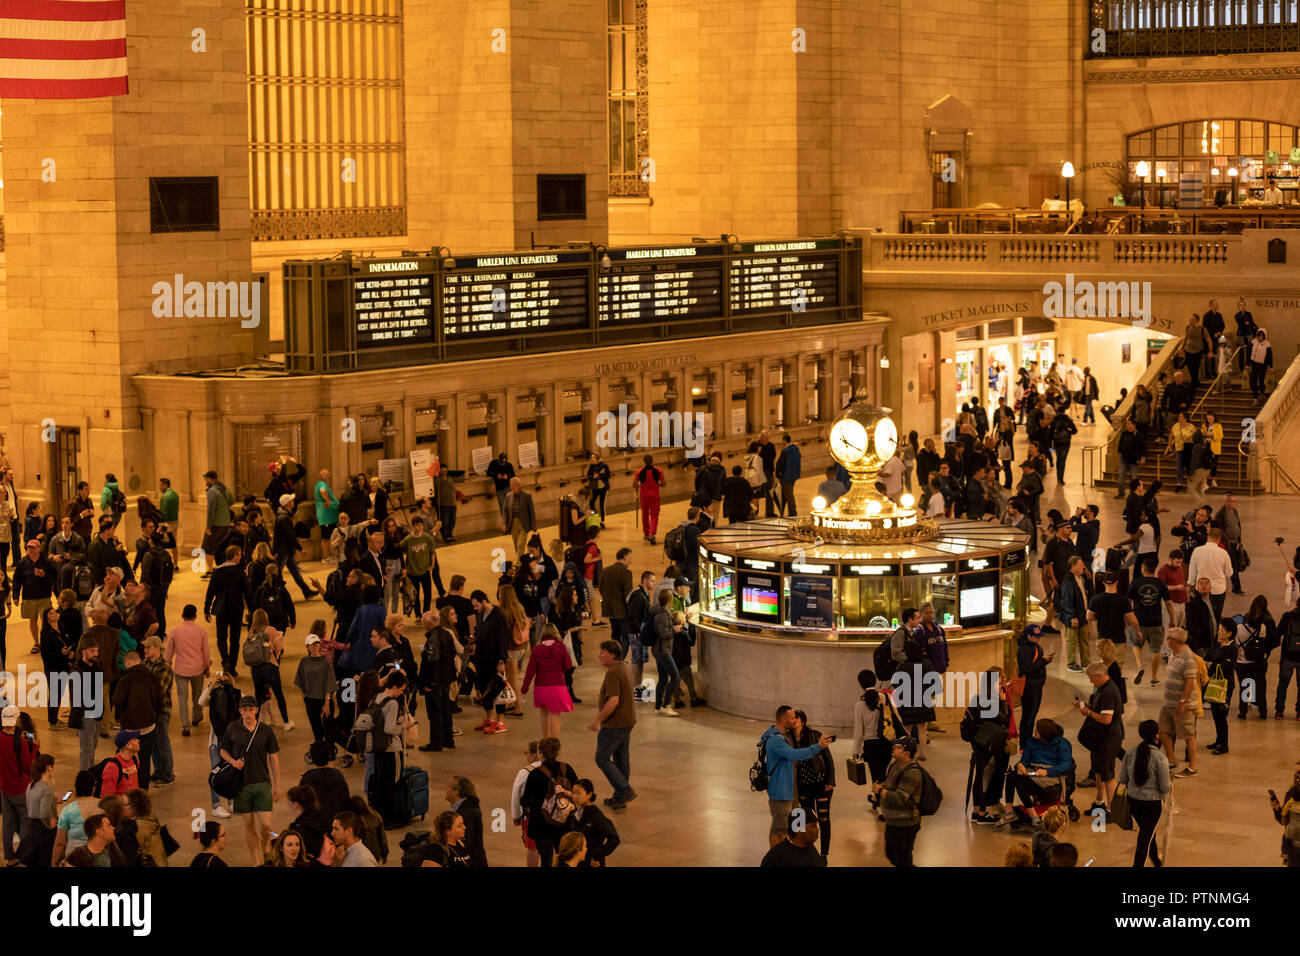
392,303
660,285
516,294
782,276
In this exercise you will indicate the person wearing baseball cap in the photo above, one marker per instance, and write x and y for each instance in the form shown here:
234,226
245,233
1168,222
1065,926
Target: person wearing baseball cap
251,746
315,678
900,799
110,594
17,753
1031,662
285,543
122,771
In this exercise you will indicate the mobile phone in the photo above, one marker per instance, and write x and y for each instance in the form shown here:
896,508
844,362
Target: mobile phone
1271,795
66,796
834,737
274,835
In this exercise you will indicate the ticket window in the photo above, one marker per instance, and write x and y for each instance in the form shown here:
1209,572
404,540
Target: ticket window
868,598
937,589
719,597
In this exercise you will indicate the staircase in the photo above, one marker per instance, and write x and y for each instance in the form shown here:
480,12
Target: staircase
1231,401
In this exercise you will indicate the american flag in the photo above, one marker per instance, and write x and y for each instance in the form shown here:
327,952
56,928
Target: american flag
62,49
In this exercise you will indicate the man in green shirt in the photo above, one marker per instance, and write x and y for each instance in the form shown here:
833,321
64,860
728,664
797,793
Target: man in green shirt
417,547
170,506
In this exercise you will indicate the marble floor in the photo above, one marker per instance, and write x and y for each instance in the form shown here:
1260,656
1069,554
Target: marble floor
695,806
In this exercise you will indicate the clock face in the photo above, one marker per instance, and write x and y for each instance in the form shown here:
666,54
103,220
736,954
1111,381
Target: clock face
848,441
886,439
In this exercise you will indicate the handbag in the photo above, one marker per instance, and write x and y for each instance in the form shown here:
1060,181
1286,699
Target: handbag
1092,734
226,779
169,843
1243,558
1216,689
1120,813
856,771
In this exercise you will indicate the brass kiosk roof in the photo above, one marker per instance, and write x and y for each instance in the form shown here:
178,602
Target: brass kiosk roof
958,539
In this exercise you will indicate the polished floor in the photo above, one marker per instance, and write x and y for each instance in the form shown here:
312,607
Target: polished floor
695,807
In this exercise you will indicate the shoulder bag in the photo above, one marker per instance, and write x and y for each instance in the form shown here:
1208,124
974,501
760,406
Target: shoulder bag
1120,813
226,779
1216,690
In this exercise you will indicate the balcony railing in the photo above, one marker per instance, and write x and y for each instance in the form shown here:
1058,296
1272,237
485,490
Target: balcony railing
1193,27
1037,253
1231,220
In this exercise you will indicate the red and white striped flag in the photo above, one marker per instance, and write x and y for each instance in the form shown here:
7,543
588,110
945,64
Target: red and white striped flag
62,49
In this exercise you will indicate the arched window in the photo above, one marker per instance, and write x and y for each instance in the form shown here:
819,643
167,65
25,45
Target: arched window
1208,150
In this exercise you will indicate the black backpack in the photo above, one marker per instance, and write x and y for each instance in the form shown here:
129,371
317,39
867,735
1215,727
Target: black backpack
116,501
675,545
334,586
223,708
83,582
1291,639
758,778
413,845
98,772
161,570
882,660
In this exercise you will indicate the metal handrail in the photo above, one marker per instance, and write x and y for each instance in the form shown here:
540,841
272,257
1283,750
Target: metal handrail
1275,469
1225,369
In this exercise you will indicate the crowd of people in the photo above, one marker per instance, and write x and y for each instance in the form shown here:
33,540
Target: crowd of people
99,614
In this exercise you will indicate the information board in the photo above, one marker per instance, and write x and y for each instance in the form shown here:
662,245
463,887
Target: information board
516,294
660,284
392,302
801,275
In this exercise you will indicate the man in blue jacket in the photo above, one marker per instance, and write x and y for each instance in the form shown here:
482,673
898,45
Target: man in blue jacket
780,758
789,469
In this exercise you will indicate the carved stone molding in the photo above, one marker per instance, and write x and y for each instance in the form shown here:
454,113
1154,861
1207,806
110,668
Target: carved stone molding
1217,75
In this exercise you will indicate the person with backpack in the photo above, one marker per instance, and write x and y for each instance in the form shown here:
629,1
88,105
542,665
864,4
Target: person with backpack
900,795
157,569
907,653
638,612
387,719
219,518
774,770
647,482
547,800
111,500
221,697
1256,637
251,748
261,651
1063,429
121,772
273,598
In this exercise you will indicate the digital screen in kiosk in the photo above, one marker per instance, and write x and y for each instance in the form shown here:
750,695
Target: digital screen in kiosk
811,600
766,276
724,584
516,294
660,284
760,597
977,599
392,302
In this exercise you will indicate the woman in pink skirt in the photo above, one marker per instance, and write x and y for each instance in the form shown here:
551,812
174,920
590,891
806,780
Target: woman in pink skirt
548,664
648,481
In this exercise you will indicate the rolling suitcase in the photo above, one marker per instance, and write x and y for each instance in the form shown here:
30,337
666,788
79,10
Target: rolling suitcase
410,798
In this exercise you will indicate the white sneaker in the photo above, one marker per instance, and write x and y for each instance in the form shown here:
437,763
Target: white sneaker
220,811
288,726
667,712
